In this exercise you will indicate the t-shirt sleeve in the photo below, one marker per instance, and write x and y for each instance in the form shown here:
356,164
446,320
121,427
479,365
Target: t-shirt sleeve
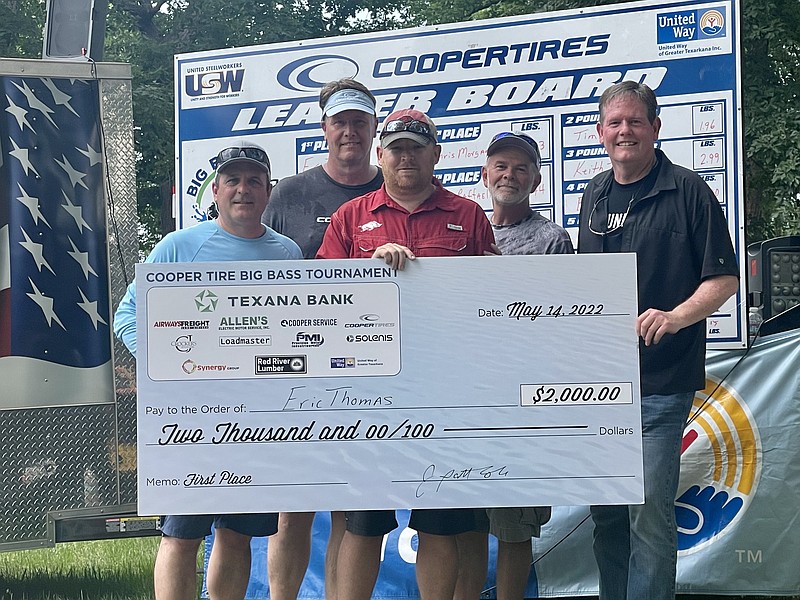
125,319
712,239
125,315
484,234
336,243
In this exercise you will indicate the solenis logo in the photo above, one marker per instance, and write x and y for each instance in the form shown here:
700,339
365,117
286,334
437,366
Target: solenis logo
721,464
214,82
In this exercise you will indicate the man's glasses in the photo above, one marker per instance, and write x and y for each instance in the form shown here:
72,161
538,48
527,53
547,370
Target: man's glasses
243,151
619,221
408,124
520,136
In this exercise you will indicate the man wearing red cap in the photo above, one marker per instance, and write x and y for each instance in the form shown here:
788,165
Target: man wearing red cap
410,215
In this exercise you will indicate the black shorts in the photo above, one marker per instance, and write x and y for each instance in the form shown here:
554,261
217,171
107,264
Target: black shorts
436,521
191,527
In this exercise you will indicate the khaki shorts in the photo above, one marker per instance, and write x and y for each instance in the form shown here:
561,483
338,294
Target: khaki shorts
518,524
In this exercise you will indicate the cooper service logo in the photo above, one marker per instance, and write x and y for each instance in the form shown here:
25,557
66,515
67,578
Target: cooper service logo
309,74
721,463
206,301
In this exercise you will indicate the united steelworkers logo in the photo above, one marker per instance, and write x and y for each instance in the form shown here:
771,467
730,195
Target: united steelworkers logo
310,73
721,465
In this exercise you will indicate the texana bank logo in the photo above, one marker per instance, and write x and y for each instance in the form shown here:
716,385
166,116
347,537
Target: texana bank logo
310,73
721,464
206,301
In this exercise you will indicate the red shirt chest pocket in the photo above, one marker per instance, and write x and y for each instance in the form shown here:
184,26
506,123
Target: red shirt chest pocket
365,244
455,243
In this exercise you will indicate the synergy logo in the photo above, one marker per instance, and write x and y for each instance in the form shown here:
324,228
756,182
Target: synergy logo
212,83
690,25
310,73
206,301
720,467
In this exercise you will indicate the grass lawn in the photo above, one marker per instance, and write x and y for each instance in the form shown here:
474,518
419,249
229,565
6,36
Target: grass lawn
101,570
109,570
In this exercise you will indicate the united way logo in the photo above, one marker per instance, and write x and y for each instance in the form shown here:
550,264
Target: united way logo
690,25
721,463
309,74
712,23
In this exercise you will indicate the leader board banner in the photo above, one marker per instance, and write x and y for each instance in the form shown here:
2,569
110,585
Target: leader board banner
540,74
333,385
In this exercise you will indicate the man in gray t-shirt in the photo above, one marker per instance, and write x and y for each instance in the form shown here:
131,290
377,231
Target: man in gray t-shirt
511,172
301,207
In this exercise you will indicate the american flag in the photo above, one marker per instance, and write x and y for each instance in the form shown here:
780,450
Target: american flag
54,288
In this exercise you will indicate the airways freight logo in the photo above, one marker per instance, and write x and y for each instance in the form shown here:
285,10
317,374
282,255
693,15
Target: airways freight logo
309,74
720,467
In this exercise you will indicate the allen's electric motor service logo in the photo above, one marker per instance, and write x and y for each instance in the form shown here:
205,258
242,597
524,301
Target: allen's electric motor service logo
720,467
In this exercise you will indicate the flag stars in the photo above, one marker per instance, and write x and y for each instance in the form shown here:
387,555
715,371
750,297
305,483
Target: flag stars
82,258
32,204
59,97
35,103
93,155
36,251
90,308
21,154
75,176
19,113
76,212
46,304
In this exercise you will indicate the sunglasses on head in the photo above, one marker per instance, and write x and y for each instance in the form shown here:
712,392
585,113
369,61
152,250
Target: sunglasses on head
243,151
407,124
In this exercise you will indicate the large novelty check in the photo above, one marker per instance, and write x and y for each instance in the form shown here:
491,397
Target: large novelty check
331,385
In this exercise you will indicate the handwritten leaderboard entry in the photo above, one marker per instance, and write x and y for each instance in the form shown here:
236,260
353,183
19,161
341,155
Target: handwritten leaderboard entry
517,384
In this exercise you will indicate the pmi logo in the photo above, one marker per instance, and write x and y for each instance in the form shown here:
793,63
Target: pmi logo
310,73
214,82
721,461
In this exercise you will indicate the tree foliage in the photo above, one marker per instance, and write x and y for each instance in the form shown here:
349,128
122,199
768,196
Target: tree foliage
770,45
147,33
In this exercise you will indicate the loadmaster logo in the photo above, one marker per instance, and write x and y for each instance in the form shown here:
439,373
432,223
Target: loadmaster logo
721,464
690,25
